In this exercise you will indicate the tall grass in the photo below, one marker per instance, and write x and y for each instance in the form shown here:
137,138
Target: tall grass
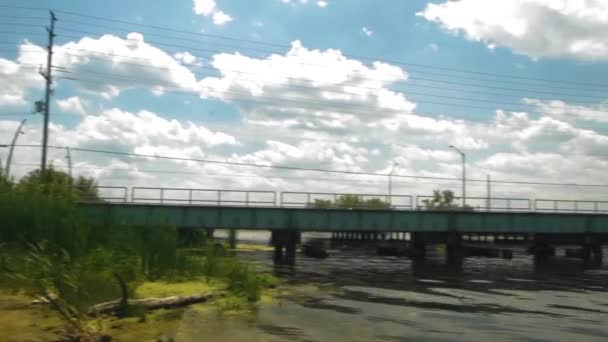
48,246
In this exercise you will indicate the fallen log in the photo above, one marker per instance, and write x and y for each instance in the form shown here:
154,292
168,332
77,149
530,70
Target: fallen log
151,303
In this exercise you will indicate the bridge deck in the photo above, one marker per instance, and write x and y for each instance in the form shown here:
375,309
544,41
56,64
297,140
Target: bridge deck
339,220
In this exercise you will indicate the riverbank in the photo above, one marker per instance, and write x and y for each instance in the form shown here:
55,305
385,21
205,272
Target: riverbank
24,321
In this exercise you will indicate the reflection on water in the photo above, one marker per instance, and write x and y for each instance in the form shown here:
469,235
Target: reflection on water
355,295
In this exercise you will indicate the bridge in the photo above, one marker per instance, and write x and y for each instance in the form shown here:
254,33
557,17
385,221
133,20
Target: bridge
540,222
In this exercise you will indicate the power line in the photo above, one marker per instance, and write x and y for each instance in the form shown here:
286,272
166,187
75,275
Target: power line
549,86
283,46
296,168
411,77
396,90
247,97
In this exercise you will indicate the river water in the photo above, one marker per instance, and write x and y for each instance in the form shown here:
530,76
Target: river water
355,295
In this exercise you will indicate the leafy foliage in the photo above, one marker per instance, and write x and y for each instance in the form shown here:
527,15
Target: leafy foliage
58,184
349,202
443,200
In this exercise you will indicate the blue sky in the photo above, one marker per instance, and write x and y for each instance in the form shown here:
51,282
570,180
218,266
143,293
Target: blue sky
355,85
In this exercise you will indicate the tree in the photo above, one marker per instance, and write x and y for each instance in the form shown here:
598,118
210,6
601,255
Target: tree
349,202
443,200
59,183
5,182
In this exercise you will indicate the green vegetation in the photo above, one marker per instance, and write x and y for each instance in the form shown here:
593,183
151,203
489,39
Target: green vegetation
443,200
348,202
49,250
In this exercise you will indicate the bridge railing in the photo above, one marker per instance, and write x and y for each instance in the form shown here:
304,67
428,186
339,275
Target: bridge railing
557,205
345,200
203,196
484,203
117,194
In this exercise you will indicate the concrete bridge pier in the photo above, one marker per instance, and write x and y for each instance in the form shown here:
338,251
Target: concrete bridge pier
285,243
592,254
454,250
418,246
232,237
541,248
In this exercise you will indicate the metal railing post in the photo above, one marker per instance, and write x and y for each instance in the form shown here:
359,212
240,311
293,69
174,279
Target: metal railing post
190,196
247,198
308,199
162,195
595,206
219,197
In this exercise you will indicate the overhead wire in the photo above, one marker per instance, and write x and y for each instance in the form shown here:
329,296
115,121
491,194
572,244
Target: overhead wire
409,71
283,46
297,168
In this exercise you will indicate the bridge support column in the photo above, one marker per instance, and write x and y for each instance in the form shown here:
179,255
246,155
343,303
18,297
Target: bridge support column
419,246
598,253
232,233
209,233
454,250
541,249
285,243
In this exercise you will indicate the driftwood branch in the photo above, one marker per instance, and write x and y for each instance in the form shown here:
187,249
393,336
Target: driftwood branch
150,303
123,304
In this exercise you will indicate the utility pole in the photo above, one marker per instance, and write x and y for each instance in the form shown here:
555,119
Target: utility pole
489,193
47,96
68,156
12,147
464,175
390,183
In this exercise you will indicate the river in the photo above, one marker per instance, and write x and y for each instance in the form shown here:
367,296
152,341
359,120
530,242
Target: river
355,295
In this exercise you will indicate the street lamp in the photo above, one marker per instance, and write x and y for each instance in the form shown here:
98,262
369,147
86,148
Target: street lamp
464,175
12,147
390,183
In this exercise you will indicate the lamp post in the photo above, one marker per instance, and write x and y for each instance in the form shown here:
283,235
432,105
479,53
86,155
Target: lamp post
12,147
390,183
464,175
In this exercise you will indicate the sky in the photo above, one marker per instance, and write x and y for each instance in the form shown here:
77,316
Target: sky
360,86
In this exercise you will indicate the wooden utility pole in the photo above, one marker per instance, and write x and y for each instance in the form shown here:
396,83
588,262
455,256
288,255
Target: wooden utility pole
47,96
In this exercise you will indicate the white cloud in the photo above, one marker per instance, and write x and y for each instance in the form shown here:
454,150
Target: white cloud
321,3
125,63
257,23
209,8
568,112
432,47
21,75
204,7
537,28
311,89
221,18
367,31
72,105
188,59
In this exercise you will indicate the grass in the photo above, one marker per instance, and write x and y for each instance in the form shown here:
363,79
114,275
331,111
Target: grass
22,321
165,289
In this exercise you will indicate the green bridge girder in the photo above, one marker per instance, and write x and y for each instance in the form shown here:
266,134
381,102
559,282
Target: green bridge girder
343,220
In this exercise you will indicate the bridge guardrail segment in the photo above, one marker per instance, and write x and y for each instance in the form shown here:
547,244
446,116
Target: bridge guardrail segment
570,205
163,195
203,196
484,203
330,200
110,194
